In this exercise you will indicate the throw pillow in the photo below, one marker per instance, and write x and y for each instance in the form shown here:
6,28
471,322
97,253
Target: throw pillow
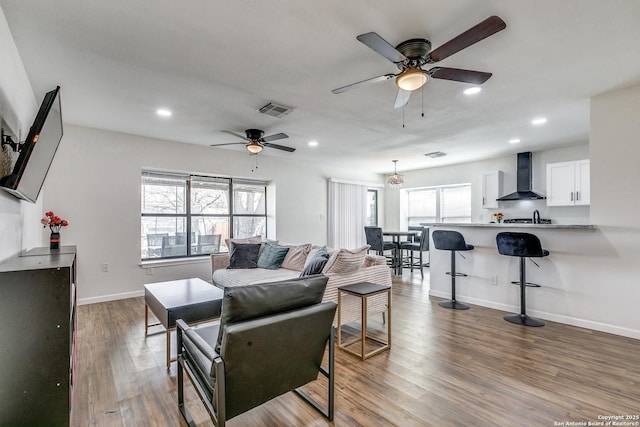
254,239
346,261
296,257
316,264
243,255
316,251
272,256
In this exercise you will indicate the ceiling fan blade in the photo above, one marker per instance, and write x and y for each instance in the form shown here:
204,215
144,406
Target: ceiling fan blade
279,147
275,137
235,134
363,82
488,27
402,98
228,143
380,45
458,75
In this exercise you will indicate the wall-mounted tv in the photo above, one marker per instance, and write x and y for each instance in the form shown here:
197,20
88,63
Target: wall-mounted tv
36,154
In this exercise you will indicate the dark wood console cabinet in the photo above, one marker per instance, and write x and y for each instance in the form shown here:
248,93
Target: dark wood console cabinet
37,337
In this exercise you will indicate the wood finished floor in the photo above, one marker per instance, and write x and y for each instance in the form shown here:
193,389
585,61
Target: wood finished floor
445,368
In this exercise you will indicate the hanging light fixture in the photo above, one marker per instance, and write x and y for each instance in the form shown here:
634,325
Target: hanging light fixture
254,147
396,179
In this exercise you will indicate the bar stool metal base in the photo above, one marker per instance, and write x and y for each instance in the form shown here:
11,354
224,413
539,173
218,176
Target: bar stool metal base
523,319
456,305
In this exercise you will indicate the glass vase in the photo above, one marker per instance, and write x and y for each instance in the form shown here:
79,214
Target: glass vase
54,240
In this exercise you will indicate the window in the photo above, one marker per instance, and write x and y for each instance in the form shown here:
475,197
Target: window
450,203
188,215
372,208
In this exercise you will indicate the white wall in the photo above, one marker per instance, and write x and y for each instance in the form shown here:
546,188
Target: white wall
19,221
94,182
472,173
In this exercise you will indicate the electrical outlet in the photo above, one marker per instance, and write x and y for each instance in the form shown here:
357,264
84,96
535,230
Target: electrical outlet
149,271
105,268
494,279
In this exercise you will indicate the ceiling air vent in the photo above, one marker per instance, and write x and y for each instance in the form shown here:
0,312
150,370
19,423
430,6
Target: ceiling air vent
275,110
436,154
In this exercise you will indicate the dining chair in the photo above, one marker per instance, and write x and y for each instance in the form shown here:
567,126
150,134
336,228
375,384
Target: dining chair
377,244
420,244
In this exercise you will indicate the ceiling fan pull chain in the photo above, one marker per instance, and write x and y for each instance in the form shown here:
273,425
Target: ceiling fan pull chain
422,96
403,116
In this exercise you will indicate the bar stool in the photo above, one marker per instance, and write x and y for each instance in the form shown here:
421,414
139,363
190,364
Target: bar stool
523,245
453,241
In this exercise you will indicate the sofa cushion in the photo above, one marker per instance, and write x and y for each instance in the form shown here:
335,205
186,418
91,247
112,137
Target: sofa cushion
296,257
346,260
243,255
272,256
253,301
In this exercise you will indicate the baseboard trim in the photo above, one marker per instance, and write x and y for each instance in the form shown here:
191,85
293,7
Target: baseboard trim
112,297
568,320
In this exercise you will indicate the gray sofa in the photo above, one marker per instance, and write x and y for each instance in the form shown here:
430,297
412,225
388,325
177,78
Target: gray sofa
373,268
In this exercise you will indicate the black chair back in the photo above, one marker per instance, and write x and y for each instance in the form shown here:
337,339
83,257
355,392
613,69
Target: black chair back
520,244
374,238
450,240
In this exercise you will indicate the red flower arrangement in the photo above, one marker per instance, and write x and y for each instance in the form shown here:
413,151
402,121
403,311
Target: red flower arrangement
54,222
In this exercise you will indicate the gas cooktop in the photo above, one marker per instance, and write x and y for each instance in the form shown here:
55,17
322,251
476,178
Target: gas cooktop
525,221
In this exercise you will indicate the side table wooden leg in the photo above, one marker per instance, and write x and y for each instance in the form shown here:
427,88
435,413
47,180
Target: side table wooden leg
363,313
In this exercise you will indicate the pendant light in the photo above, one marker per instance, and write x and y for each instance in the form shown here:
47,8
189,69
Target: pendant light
395,180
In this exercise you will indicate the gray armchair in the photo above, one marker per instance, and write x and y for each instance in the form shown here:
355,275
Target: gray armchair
270,340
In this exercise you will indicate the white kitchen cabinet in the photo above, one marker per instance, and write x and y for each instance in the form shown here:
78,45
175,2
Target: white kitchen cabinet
491,188
568,183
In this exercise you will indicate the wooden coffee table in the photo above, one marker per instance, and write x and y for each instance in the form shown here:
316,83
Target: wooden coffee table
192,300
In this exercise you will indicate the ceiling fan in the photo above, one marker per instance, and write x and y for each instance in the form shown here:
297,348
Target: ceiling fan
255,141
410,55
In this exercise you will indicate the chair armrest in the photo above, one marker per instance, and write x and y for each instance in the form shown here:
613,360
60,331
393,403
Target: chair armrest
219,261
202,345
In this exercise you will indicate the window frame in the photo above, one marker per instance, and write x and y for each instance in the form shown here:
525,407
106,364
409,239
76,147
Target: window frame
439,201
188,216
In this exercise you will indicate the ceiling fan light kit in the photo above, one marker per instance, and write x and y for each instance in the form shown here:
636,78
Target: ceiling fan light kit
254,147
396,179
412,79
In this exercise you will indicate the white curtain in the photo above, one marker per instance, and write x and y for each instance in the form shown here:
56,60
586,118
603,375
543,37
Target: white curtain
347,212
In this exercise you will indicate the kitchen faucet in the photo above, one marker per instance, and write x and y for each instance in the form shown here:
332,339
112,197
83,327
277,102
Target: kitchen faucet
536,216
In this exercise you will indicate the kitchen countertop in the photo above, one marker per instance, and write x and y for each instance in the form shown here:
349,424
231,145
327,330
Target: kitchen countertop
514,225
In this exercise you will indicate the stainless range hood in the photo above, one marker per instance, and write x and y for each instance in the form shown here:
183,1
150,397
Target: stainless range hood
524,180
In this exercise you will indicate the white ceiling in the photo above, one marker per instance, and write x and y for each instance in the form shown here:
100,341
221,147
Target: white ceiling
214,63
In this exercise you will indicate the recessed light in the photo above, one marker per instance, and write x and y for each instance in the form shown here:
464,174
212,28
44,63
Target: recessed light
313,143
514,141
472,90
163,112
539,121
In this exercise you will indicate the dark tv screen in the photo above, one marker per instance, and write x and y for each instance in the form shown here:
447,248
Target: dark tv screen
38,150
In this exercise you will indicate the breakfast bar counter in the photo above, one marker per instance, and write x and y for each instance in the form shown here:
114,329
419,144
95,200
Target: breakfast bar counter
566,276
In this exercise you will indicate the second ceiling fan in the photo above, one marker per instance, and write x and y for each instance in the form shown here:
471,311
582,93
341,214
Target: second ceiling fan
410,55
255,141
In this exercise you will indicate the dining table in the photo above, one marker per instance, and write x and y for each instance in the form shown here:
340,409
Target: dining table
397,236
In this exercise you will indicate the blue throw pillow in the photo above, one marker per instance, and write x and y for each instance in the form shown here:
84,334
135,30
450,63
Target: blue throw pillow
272,256
243,255
317,263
